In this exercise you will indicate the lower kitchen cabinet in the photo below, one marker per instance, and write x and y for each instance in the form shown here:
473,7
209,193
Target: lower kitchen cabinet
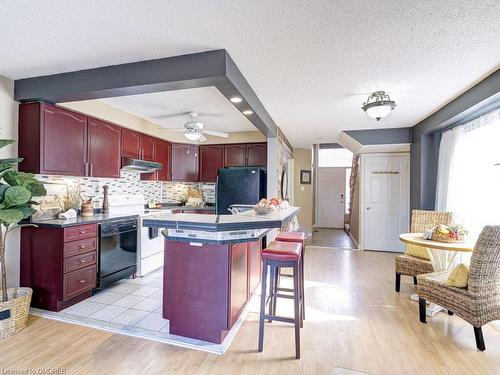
206,286
59,264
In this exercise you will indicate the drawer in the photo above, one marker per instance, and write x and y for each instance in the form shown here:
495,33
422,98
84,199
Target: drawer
80,231
80,261
79,281
79,247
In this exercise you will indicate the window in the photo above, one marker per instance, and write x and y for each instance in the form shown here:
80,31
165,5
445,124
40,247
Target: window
334,157
469,173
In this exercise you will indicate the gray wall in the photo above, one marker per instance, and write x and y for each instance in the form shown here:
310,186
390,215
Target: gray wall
381,136
426,135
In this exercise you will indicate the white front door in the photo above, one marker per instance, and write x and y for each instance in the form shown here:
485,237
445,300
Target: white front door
386,200
331,197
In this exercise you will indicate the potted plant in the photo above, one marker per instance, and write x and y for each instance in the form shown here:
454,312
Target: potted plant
16,192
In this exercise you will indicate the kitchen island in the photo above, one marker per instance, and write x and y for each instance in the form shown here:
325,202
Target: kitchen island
212,266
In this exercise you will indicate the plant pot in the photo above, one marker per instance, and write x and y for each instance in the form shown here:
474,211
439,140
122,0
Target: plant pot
18,304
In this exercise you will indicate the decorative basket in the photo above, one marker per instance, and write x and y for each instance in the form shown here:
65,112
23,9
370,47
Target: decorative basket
18,303
445,238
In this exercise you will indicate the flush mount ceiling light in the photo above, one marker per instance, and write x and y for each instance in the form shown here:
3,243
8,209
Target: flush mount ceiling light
236,99
378,105
247,112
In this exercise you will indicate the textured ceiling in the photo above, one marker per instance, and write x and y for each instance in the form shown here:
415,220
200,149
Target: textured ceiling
311,63
169,109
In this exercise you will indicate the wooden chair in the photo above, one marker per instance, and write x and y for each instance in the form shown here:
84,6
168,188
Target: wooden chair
479,303
412,266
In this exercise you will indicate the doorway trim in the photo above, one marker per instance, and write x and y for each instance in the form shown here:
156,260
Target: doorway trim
362,160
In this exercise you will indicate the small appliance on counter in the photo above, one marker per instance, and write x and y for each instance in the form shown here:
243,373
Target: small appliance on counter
239,186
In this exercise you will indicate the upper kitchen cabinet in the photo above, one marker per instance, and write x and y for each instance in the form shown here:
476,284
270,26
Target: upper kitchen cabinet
52,140
235,155
103,149
211,159
131,142
256,154
147,148
163,156
184,162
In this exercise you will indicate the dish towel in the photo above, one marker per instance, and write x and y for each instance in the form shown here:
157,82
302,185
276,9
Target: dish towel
70,214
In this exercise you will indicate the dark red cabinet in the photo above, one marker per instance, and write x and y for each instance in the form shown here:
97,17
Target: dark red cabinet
184,162
147,148
163,156
238,281
235,155
211,159
52,140
256,154
103,149
254,265
130,143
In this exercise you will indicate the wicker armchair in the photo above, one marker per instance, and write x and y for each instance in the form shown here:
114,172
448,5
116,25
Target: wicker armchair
480,302
412,266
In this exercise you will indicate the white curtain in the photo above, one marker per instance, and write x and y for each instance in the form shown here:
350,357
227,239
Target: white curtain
468,182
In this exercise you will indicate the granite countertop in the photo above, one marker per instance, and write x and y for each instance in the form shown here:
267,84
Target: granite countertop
61,223
219,223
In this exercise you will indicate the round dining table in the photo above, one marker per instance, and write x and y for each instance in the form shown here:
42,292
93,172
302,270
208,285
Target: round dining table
443,257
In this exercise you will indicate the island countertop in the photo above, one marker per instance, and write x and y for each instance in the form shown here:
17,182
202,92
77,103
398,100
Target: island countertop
220,223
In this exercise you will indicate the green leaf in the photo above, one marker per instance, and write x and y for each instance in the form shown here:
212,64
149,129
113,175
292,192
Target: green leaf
11,160
16,195
3,188
36,189
11,216
12,178
25,209
6,142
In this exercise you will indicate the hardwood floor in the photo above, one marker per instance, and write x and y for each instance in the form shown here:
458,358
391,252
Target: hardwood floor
336,238
354,320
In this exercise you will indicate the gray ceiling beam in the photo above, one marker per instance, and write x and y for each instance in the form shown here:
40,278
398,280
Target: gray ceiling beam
212,68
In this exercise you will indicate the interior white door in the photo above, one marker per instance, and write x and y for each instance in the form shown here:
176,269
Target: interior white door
385,201
331,197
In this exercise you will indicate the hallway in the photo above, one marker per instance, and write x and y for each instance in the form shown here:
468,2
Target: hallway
336,238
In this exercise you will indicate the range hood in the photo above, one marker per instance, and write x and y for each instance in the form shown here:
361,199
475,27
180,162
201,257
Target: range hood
141,166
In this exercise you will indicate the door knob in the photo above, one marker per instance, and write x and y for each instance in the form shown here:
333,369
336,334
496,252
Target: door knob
368,208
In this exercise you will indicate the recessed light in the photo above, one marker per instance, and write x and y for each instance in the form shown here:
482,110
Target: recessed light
247,112
236,99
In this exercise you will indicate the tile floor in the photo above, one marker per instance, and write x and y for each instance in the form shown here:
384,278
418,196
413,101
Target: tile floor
134,307
129,302
336,238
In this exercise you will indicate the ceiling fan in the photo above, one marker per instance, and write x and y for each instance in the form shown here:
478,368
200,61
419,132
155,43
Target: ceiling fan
195,130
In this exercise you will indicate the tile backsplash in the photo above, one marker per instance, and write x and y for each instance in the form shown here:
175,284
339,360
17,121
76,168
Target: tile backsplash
129,183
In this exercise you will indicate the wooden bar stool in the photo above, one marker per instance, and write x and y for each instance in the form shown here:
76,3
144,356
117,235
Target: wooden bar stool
299,237
276,255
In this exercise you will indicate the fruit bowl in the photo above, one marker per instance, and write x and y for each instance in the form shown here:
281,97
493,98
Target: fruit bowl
451,234
262,210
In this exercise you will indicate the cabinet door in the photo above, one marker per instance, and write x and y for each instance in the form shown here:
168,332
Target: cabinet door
184,162
235,155
211,159
103,149
147,146
162,155
130,143
254,265
239,280
257,154
63,142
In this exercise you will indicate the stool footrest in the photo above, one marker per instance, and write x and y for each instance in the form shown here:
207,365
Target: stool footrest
285,289
280,295
279,319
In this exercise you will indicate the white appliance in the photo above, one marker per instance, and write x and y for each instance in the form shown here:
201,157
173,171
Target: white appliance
149,248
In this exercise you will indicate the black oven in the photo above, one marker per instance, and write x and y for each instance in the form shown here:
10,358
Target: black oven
117,250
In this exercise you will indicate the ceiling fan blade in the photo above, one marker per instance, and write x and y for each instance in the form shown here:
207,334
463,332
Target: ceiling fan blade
216,134
168,116
202,138
177,130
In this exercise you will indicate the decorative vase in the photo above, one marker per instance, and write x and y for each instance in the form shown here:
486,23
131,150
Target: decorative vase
14,312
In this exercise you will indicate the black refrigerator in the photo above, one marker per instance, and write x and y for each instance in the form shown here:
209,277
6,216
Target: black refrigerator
239,186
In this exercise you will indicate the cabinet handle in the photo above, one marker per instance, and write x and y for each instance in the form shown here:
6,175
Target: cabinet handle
82,232
86,169
83,260
82,281
91,169
83,246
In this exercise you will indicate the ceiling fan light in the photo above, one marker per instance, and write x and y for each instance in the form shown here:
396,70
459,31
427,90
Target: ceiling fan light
192,136
378,105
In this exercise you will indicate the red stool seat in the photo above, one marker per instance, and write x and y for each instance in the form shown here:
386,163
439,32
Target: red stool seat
285,251
291,236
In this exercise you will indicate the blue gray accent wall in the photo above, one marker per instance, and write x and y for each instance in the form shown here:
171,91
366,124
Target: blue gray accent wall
381,136
426,136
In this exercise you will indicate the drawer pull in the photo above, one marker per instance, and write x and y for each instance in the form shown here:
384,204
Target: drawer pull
82,232
83,246
82,281
83,260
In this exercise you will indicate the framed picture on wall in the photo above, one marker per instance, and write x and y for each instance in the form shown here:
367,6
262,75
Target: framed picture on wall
305,177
